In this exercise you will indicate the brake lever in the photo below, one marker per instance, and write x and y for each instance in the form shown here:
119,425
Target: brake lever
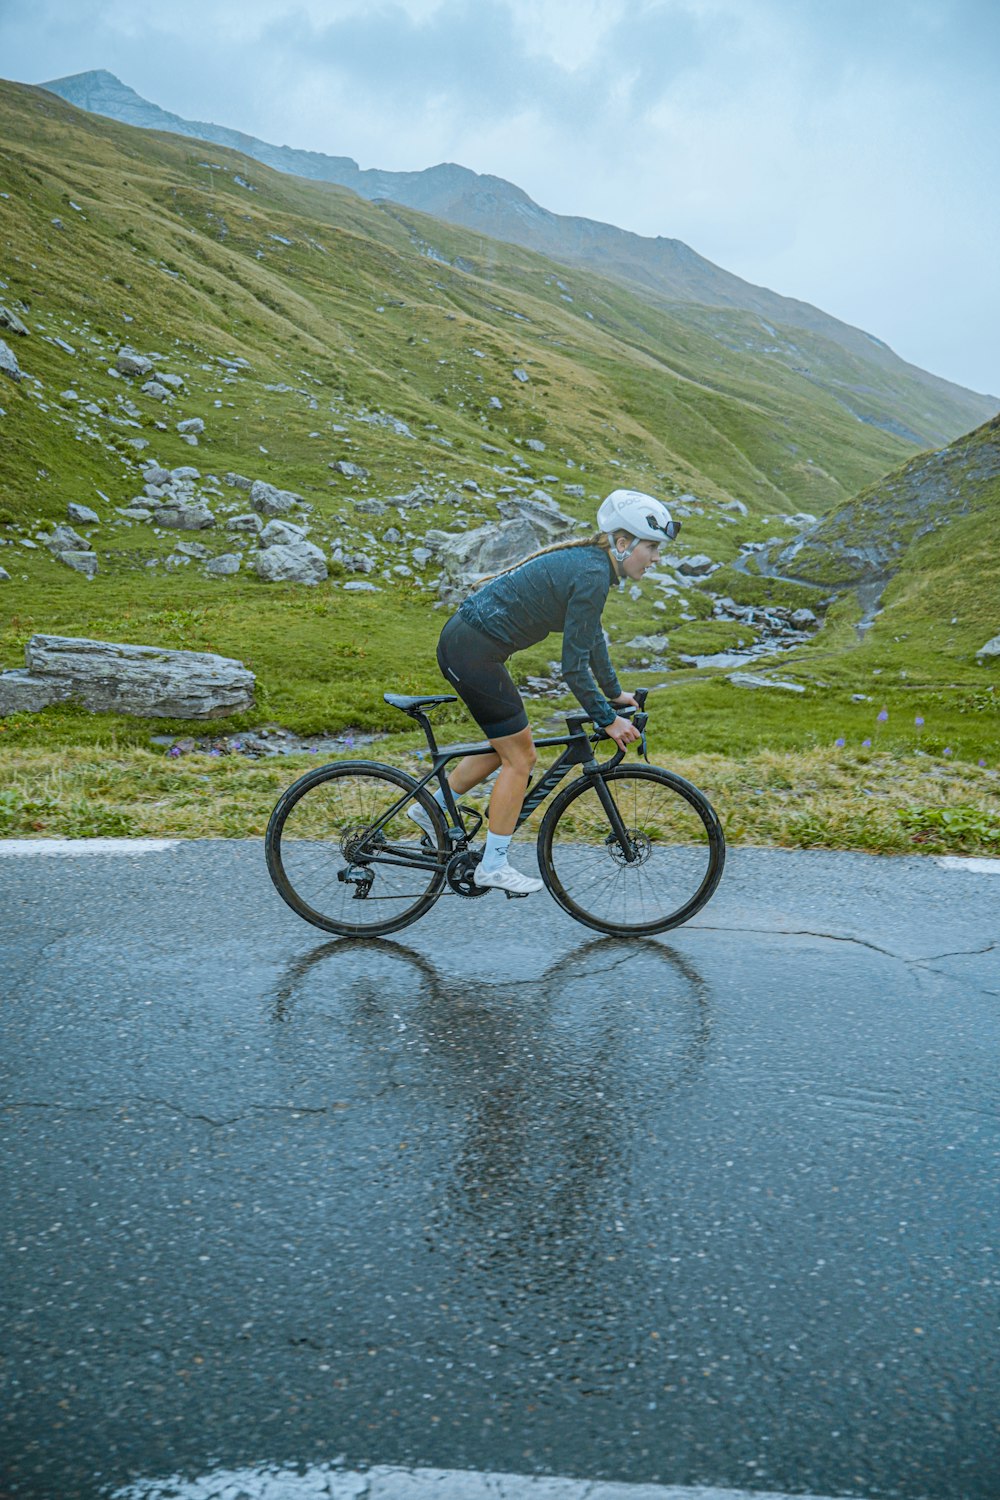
640,721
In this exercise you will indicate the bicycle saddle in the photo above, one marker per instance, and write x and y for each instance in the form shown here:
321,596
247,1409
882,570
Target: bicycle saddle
408,705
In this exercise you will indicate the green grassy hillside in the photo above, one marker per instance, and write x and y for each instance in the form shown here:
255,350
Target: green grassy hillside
305,326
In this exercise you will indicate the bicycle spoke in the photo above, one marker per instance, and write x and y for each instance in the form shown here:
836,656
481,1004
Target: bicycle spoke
675,845
336,866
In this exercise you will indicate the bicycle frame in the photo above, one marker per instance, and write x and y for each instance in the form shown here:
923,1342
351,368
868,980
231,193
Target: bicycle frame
578,752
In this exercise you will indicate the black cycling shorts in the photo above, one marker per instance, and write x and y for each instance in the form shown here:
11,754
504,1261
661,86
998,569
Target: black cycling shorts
475,665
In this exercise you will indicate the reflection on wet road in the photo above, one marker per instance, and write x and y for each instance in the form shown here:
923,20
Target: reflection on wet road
712,1210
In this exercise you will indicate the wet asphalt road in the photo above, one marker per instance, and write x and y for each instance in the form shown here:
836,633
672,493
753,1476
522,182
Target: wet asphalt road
716,1208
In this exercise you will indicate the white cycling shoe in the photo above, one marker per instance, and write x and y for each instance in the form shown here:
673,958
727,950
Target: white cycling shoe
417,815
507,879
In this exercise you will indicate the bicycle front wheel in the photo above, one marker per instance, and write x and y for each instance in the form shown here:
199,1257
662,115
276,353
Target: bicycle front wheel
344,855
675,839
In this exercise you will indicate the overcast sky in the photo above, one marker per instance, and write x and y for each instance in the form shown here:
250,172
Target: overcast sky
841,151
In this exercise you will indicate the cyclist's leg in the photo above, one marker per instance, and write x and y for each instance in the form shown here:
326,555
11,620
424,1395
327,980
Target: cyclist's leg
475,667
517,756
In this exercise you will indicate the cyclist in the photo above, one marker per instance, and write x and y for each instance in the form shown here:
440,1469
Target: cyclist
564,588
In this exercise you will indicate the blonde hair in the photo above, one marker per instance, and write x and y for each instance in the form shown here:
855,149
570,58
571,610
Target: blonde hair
598,539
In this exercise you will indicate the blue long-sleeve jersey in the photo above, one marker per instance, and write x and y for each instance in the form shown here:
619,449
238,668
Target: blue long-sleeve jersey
561,591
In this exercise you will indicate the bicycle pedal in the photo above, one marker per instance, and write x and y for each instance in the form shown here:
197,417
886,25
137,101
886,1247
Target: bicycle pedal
517,895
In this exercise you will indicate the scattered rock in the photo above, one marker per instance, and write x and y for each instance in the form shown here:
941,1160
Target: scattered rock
65,539
8,361
10,321
237,481
750,680
251,523
698,566
349,470
521,375
371,507
224,565
281,534
130,363
181,517
535,444
108,677
363,588
299,562
990,651
270,501
81,562
194,426
82,514
158,392
653,645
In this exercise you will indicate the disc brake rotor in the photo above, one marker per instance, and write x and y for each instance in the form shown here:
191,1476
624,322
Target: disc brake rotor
642,848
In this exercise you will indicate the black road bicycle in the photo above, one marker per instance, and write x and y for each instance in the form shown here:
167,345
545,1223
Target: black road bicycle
628,850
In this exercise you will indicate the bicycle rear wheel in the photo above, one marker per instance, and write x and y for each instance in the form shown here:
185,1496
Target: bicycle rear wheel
346,858
676,838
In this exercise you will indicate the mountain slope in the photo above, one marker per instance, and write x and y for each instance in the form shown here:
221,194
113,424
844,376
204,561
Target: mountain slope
392,308
880,388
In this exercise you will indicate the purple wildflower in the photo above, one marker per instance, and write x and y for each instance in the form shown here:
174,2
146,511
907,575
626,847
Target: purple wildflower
866,744
882,715
173,752
839,743
946,750
982,763
919,721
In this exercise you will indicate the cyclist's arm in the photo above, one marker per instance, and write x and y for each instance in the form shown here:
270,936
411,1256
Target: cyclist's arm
581,628
600,666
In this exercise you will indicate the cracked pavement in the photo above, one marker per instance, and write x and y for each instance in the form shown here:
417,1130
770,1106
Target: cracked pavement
498,1195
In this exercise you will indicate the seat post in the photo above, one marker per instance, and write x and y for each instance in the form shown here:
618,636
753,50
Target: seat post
425,725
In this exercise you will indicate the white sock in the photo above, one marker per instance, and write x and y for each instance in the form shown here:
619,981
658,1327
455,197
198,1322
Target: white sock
495,855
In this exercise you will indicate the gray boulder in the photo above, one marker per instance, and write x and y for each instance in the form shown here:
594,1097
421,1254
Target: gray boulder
8,361
10,320
223,566
299,562
108,677
80,562
270,501
655,645
465,557
194,426
990,651
349,470
82,514
251,523
130,363
180,517
541,511
696,567
281,534
65,539
156,391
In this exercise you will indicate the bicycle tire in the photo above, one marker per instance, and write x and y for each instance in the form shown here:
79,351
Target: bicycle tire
682,852
319,860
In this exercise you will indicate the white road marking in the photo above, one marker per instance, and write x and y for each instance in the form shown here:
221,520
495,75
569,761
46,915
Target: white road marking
23,848
388,1483
974,866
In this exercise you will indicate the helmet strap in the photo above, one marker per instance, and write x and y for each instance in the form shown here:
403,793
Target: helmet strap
623,556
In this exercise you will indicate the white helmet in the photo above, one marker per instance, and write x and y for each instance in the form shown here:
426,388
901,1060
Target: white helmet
640,515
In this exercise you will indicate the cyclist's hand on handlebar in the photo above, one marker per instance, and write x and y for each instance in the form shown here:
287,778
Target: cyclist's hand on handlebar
624,700
622,732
